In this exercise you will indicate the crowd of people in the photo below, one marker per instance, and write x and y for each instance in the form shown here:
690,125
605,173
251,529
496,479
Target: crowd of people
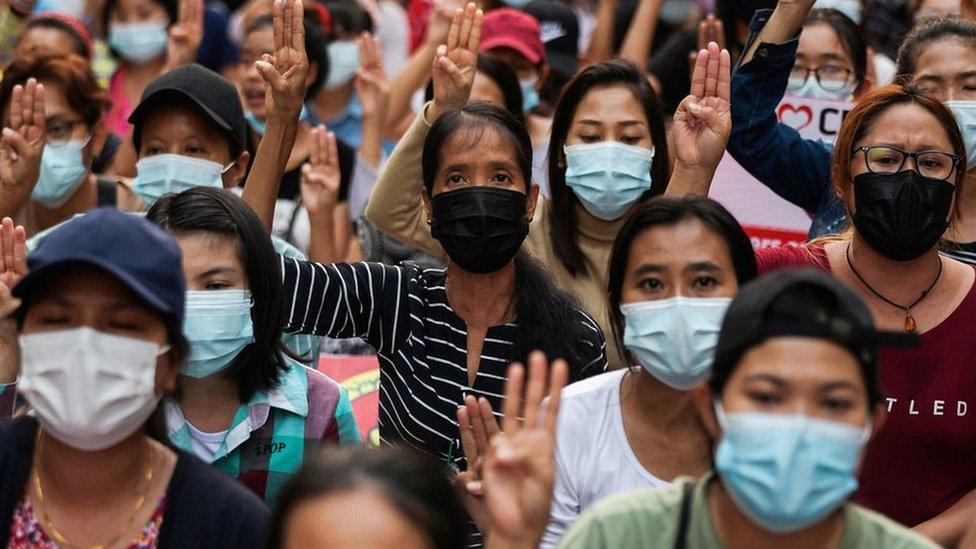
506,203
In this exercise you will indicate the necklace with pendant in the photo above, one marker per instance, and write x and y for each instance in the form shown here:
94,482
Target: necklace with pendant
910,325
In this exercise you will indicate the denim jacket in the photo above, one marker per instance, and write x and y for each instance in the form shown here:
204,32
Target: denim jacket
795,168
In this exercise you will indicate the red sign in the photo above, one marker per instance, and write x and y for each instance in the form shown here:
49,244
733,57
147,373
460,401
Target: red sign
360,376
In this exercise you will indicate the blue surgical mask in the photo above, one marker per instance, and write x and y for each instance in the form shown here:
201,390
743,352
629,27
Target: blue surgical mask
787,472
138,42
257,124
608,177
965,112
674,339
850,8
163,174
74,8
517,4
343,63
811,89
530,97
62,171
218,325
675,12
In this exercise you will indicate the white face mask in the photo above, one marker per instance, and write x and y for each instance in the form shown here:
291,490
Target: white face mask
162,174
812,89
965,112
89,389
343,63
850,8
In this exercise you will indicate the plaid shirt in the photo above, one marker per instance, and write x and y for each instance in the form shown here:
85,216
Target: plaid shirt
272,434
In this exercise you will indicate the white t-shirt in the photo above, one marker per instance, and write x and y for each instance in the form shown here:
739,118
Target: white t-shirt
205,445
593,458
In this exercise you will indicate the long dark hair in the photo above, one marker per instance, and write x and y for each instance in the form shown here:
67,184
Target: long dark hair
545,314
850,35
414,484
218,211
668,212
563,235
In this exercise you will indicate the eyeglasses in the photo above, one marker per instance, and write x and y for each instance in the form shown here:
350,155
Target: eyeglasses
60,130
931,164
829,77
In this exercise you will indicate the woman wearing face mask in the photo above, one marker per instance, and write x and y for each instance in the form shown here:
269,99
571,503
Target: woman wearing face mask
899,166
441,335
791,403
149,38
793,51
72,106
83,470
336,104
291,220
244,404
676,265
940,58
608,152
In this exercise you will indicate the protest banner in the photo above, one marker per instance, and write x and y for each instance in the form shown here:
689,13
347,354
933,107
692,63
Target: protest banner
360,376
768,219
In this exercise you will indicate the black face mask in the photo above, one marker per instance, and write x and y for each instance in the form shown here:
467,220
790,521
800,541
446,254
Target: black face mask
901,215
480,228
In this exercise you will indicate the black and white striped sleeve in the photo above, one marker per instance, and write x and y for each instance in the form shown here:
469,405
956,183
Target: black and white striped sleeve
592,348
343,300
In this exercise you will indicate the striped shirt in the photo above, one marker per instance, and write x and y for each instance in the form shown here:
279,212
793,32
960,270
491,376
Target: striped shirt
271,435
404,314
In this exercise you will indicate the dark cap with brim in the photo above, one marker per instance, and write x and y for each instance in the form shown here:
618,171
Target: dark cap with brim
141,255
214,95
750,319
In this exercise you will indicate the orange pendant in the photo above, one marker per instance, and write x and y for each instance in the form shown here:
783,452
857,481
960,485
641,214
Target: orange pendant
909,322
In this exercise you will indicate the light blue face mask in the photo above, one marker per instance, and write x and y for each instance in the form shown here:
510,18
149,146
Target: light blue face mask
850,8
163,174
965,112
257,124
675,12
138,42
530,97
74,8
62,171
787,472
343,63
812,89
674,339
608,177
517,4
218,325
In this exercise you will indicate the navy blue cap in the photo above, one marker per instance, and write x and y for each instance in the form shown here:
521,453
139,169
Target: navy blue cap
140,254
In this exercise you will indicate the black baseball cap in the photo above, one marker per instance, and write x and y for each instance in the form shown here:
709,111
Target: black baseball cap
210,92
764,309
140,254
559,29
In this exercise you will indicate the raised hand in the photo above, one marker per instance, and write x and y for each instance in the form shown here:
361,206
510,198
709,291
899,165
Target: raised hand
372,88
286,72
710,29
320,175
456,61
440,21
703,120
477,425
185,35
13,241
519,469
22,144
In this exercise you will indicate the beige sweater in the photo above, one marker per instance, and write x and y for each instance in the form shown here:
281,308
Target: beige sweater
395,208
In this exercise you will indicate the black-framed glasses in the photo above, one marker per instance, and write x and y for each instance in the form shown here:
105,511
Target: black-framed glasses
888,159
60,130
829,77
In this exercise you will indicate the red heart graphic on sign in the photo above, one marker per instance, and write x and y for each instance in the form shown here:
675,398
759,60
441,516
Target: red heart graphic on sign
795,117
